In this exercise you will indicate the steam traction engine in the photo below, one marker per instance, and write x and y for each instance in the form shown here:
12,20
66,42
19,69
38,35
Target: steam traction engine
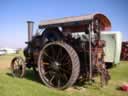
67,50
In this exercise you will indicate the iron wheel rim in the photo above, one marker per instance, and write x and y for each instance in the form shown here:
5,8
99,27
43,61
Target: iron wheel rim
65,72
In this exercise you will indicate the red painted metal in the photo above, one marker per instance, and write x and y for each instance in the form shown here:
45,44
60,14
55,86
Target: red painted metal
124,52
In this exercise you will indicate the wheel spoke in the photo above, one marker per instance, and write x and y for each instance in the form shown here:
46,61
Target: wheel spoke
53,52
63,58
50,72
59,53
19,61
66,63
58,83
64,76
52,79
65,71
44,62
45,65
49,57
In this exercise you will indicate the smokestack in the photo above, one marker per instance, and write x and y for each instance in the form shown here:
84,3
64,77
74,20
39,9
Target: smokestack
30,30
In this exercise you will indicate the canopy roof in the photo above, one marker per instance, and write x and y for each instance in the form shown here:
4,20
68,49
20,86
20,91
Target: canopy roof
85,19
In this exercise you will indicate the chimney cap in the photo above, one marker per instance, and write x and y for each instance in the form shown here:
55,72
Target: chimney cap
30,22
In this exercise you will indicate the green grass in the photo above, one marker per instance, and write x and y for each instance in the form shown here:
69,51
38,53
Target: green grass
5,60
32,86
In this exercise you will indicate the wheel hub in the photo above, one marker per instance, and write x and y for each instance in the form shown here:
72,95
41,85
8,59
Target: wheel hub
56,66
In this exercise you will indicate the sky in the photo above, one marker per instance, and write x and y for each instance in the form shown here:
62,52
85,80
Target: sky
15,13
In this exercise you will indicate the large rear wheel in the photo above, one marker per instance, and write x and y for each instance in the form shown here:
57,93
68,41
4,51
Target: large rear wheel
58,65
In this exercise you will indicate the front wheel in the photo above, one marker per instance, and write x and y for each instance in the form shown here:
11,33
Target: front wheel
58,65
18,67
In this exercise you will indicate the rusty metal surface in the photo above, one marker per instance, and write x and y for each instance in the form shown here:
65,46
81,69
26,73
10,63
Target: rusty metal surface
78,19
100,63
124,52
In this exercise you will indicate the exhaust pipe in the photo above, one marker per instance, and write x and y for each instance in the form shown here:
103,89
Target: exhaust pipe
30,30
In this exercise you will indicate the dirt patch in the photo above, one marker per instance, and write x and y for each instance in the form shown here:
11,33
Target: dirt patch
5,62
4,66
72,90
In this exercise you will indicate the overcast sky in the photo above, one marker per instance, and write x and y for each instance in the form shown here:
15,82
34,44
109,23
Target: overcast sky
15,13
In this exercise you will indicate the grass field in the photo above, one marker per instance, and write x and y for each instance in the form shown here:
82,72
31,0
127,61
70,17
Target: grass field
31,85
